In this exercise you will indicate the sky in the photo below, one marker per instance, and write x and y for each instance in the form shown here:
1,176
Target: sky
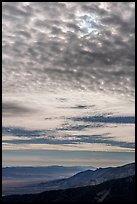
68,83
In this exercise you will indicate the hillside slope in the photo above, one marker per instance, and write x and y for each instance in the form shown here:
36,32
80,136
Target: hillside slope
122,190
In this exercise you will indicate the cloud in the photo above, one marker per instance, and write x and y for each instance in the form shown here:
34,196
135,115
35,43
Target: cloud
79,127
64,66
14,109
102,119
23,132
80,45
48,137
78,107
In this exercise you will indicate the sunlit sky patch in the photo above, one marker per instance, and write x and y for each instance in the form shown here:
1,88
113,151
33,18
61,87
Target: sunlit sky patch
88,24
68,80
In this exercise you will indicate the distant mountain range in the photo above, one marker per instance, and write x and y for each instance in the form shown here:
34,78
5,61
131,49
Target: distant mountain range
21,179
48,177
88,177
32,171
116,190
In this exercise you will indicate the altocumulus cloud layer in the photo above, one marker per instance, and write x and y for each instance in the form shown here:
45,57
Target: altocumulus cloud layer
82,45
68,75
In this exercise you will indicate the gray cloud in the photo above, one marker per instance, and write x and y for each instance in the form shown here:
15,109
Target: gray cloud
78,107
14,109
51,52
80,45
35,138
23,132
108,119
80,127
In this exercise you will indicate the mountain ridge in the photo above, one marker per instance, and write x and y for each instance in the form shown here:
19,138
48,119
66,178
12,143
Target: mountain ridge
115,190
83,178
92,177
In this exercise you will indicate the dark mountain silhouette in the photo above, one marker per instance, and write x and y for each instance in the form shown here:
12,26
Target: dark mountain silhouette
117,190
